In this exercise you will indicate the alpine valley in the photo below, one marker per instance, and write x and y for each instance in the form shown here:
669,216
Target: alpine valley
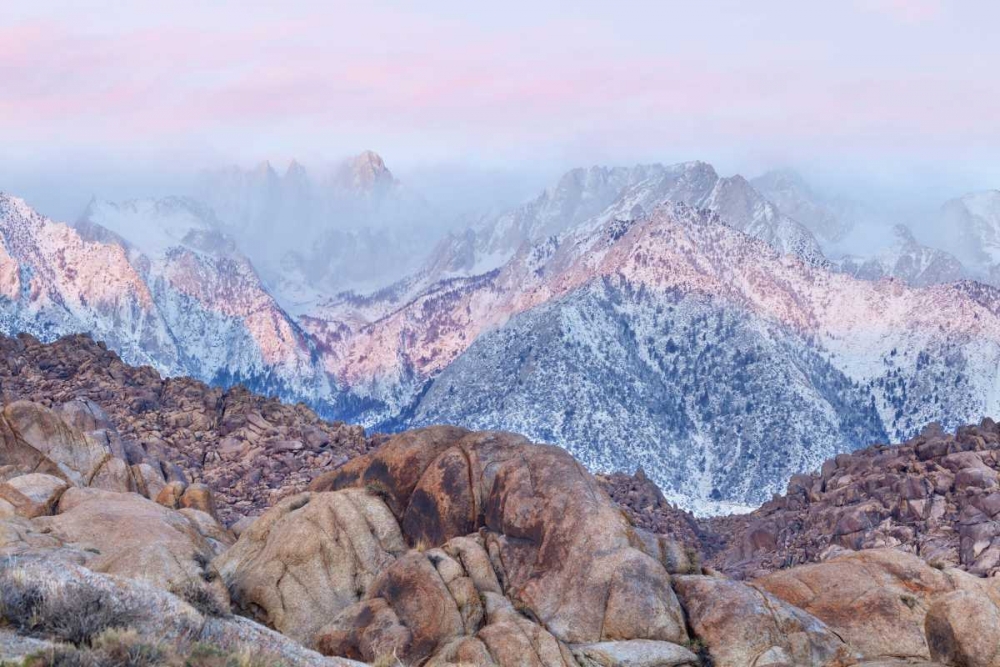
656,316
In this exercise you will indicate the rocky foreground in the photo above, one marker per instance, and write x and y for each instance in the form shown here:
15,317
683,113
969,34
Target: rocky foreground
131,535
442,546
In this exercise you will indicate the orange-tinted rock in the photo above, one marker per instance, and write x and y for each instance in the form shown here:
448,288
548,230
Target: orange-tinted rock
876,600
740,624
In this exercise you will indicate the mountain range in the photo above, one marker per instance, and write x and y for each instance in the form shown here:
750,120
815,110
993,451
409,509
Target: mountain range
655,316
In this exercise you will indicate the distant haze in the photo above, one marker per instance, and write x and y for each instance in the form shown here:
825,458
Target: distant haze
478,106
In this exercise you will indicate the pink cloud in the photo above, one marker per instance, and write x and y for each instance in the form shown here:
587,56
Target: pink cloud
440,79
907,11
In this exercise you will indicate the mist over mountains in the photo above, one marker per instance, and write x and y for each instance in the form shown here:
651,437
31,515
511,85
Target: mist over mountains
709,328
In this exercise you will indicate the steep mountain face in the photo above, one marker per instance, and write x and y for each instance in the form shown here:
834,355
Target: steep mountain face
582,197
355,228
907,260
600,194
689,388
691,332
181,299
604,309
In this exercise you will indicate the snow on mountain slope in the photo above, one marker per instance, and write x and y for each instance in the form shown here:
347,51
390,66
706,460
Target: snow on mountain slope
708,340
907,260
56,282
180,298
600,194
714,403
571,336
152,225
210,294
581,198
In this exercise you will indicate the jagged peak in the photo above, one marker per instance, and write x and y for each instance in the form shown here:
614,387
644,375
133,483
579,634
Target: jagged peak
364,173
694,166
19,205
370,158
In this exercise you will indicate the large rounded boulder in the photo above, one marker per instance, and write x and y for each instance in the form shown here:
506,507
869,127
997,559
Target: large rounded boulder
444,545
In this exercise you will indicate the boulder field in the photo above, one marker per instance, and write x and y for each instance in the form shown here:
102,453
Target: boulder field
936,495
250,449
442,546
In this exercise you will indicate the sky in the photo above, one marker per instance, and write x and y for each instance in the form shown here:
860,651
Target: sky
130,99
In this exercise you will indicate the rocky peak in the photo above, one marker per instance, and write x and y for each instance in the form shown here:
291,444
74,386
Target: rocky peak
904,235
365,174
264,171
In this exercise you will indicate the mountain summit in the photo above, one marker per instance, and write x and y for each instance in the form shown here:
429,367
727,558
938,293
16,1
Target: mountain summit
365,174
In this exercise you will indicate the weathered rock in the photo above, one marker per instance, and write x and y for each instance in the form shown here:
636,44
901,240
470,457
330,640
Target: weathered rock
963,627
218,537
511,639
128,535
170,495
876,600
241,525
32,495
176,426
744,626
935,495
634,653
36,439
84,415
148,480
198,497
310,557
113,475
155,613
551,532
408,611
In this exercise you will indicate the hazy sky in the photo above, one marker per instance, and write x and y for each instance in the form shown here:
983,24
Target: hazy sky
129,98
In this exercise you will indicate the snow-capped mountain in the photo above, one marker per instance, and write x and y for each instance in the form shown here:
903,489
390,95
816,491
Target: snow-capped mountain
655,316
677,342
907,260
871,242
176,294
599,193
581,197
354,228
